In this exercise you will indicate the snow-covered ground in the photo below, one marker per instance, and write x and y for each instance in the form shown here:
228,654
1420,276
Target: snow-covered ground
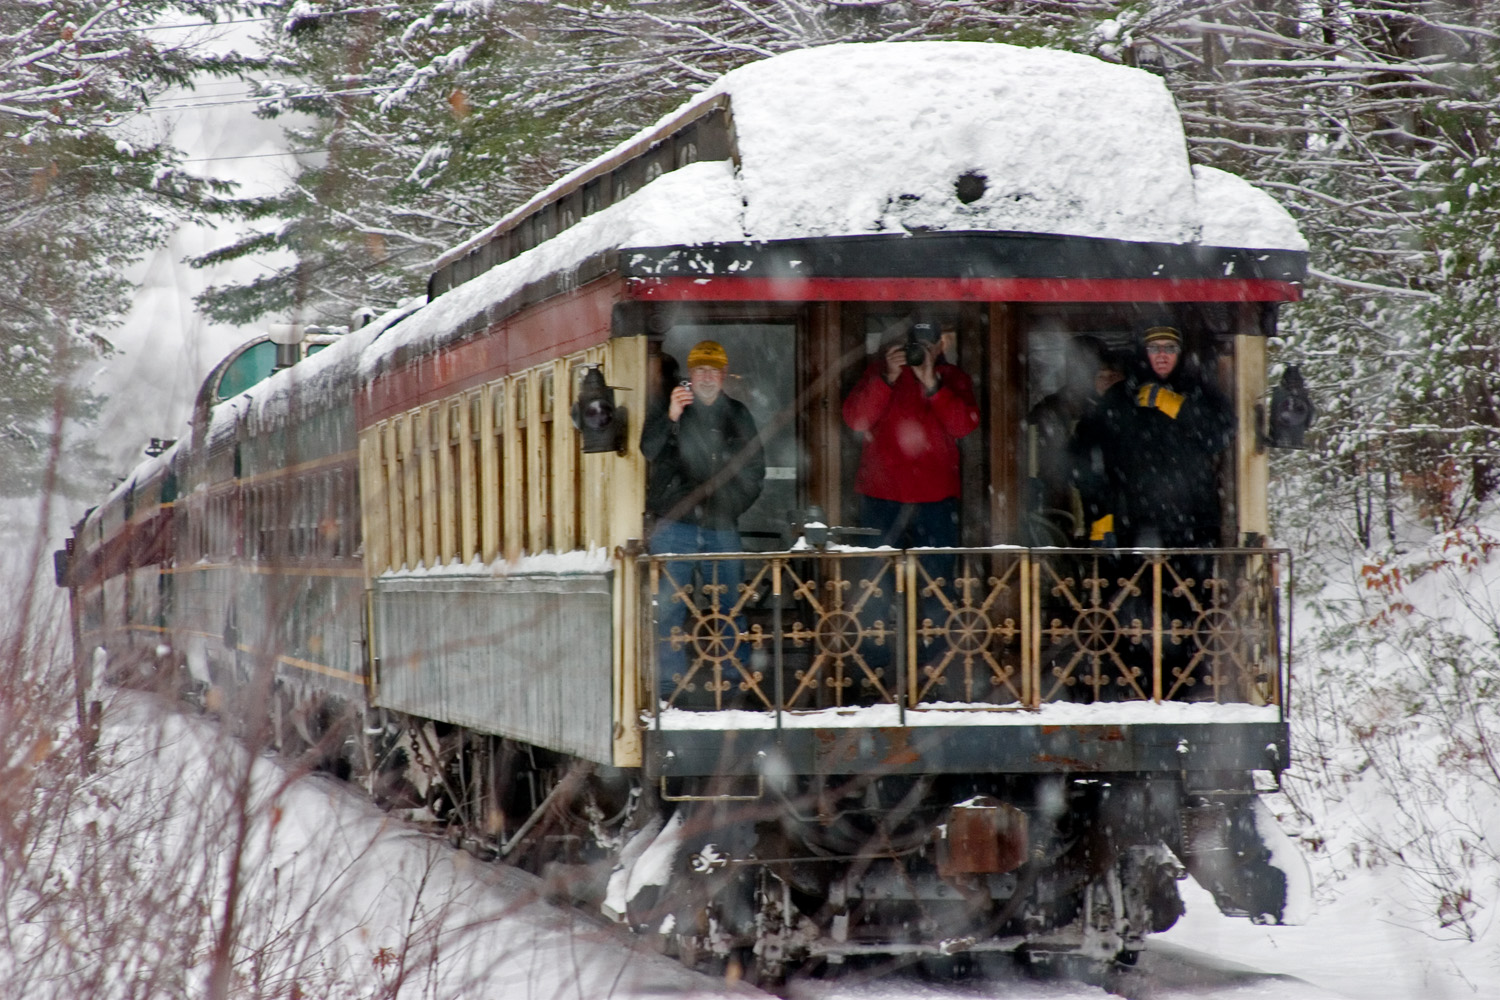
336,898
1392,795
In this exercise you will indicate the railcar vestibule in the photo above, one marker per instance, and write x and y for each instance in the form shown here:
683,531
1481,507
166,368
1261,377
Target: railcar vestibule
793,363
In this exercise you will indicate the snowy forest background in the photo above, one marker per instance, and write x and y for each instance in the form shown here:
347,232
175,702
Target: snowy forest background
417,124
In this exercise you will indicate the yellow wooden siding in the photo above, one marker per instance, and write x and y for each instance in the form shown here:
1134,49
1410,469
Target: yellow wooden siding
512,474
372,498
563,461
1254,464
498,470
468,470
430,498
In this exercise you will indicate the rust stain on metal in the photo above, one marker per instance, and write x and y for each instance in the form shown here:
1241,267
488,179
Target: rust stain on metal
1072,762
836,745
901,751
984,836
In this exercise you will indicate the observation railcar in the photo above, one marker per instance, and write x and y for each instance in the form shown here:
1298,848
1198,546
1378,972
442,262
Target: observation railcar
411,558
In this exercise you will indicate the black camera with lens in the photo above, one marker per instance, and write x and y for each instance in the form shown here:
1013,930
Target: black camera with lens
922,338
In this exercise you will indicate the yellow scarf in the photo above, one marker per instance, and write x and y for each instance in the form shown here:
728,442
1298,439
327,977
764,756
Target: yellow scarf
1160,397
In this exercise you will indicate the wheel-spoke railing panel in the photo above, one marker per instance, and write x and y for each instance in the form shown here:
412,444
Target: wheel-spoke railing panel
962,628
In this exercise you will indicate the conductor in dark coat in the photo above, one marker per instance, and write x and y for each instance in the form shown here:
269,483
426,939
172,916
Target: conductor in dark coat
1149,453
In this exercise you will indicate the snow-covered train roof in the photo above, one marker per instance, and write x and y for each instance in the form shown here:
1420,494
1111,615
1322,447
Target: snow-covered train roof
869,138
869,141
866,138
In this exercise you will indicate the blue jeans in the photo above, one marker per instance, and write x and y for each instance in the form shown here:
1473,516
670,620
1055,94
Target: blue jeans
911,526
672,607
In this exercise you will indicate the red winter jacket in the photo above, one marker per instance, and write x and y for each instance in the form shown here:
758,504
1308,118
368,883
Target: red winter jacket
911,446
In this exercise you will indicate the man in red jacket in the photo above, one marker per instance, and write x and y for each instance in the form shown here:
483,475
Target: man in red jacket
911,407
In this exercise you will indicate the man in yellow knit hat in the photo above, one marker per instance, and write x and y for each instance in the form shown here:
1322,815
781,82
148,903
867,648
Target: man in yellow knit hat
707,468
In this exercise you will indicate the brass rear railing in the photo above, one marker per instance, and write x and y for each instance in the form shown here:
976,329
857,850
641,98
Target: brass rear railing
963,628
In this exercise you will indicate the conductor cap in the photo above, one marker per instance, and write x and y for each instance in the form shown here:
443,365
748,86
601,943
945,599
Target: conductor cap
1159,334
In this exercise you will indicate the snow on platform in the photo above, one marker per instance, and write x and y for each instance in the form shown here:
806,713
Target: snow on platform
1122,713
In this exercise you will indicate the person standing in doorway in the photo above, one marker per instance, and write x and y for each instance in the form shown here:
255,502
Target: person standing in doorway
911,407
706,469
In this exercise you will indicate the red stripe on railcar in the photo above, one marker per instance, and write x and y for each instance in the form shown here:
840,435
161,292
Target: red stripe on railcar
564,324
740,289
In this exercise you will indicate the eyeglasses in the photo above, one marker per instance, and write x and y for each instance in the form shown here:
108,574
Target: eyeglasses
1162,349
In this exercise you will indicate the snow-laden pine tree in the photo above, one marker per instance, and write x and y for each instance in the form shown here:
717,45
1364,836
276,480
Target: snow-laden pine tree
430,121
1376,124
87,185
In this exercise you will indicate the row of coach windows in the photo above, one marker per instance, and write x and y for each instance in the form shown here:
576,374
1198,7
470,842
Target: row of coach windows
302,516
306,516
494,472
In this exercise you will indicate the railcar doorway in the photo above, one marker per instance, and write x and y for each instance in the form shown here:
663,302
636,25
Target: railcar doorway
982,348
1066,348
762,375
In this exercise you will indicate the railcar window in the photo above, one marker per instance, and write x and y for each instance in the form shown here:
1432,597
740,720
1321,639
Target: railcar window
595,195
334,516
519,468
453,460
762,375
296,505
281,537
1064,351
301,500
576,485
353,528
473,477
411,473
427,500
338,500
395,547
307,493
252,522
546,537
496,525
317,514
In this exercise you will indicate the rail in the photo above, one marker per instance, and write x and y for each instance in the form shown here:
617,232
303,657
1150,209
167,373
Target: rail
971,628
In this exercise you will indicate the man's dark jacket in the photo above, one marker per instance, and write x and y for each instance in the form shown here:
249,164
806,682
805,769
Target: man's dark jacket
1147,455
707,468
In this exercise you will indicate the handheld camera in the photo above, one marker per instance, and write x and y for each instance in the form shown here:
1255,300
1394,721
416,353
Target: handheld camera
923,337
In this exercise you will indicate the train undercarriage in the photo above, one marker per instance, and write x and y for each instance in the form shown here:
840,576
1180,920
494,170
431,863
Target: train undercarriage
777,874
